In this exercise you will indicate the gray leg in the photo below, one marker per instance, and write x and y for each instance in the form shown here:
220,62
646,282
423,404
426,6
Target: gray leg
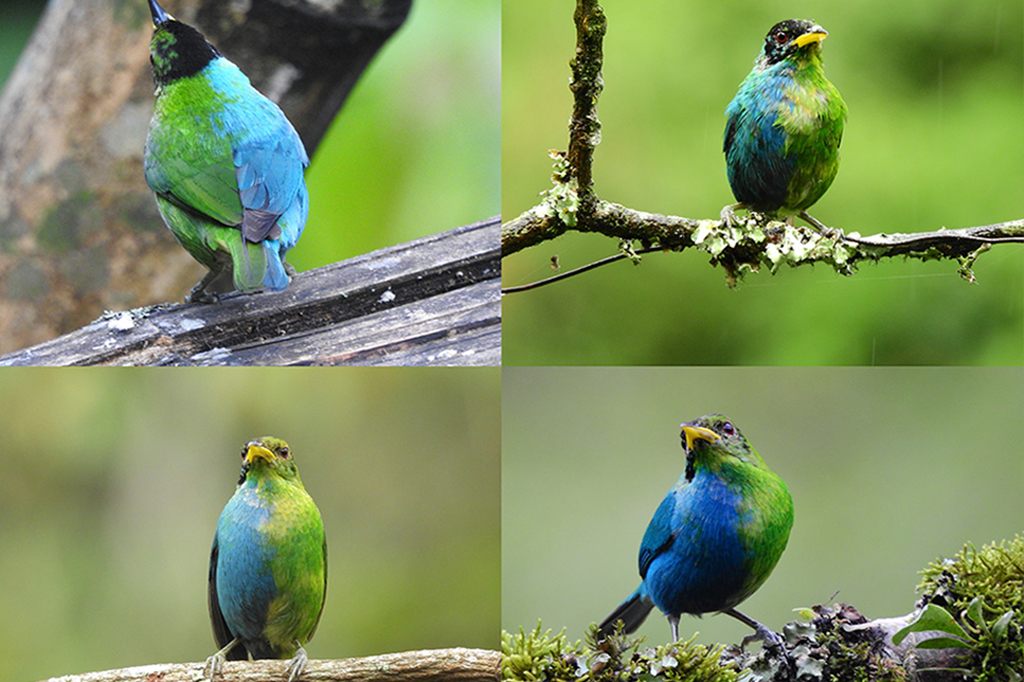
214,663
297,664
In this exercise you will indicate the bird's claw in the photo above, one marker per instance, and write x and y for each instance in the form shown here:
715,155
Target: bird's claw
728,214
200,295
213,666
771,641
831,232
297,664
768,637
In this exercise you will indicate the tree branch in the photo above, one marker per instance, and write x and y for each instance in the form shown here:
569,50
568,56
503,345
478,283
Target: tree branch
457,665
586,85
755,242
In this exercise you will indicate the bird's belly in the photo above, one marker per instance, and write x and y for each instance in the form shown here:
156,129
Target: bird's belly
758,168
698,578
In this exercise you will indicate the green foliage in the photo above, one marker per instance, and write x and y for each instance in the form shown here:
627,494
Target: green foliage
538,656
977,598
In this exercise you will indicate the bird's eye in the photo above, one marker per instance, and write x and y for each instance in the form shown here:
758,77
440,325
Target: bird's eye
284,453
728,429
781,38
244,449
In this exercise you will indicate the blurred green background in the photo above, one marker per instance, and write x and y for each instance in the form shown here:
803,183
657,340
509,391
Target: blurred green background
414,151
113,481
888,468
936,97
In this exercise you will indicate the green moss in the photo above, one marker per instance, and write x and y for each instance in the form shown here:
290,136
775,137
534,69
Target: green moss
538,656
996,572
983,592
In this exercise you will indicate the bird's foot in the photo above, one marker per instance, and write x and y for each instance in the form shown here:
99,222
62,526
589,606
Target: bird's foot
823,229
199,294
216,662
297,664
213,666
771,642
728,214
768,638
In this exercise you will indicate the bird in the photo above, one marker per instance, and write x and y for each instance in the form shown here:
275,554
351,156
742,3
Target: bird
225,164
784,127
715,538
268,564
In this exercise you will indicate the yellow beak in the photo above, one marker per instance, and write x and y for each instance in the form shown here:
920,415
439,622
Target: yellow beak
816,35
694,433
257,451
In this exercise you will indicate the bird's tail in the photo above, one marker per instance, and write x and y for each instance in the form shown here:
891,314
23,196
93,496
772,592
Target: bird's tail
291,223
632,612
249,261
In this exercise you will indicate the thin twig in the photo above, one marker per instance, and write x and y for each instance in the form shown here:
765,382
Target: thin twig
577,271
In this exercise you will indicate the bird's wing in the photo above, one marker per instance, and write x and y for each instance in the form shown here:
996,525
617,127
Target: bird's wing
733,113
269,162
221,633
322,601
659,535
202,183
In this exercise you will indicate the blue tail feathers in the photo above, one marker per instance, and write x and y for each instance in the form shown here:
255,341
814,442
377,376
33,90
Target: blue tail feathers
632,612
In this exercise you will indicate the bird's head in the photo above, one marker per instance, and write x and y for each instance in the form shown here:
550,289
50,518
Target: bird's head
714,441
268,456
792,39
177,50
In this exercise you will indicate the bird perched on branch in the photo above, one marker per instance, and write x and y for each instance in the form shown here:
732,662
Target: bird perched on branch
784,127
268,565
225,164
716,536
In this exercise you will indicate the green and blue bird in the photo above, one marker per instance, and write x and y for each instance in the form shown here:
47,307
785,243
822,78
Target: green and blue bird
225,163
268,565
784,127
716,536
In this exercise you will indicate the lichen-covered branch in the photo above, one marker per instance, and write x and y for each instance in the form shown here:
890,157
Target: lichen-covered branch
457,665
572,204
586,85
756,242
968,624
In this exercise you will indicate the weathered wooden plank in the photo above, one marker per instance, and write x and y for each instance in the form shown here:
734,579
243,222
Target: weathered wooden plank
433,301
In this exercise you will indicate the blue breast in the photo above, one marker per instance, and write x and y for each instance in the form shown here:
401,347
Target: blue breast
703,567
758,167
245,583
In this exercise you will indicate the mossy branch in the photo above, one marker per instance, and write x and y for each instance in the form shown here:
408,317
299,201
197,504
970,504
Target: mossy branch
968,624
457,665
572,204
